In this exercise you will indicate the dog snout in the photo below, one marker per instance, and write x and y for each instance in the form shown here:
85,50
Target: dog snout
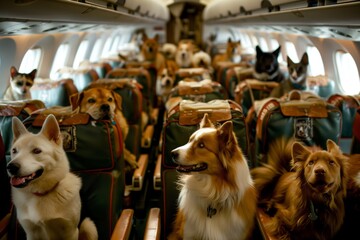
13,168
175,155
105,108
320,171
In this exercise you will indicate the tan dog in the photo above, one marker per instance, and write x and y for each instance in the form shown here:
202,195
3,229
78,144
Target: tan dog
184,54
104,104
150,51
20,84
232,54
306,197
217,199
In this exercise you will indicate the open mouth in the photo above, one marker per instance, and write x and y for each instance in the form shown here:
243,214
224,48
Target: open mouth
20,182
192,168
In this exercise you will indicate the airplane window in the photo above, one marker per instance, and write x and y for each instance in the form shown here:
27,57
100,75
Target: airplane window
31,60
254,41
59,60
348,73
263,44
291,51
107,47
80,54
316,65
115,44
95,53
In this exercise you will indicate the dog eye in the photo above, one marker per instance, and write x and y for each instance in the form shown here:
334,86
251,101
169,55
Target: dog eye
28,84
19,84
110,99
311,162
91,100
201,145
331,162
14,150
36,150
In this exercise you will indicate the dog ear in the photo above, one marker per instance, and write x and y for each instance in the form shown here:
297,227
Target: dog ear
258,50
144,37
51,129
18,128
13,72
305,59
118,100
205,122
157,37
289,61
277,51
33,74
332,146
299,152
226,132
75,100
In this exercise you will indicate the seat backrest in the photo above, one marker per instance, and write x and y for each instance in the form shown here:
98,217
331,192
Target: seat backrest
82,77
5,200
195,73
311,121
54,93
181,122
21,109
348,106
203,91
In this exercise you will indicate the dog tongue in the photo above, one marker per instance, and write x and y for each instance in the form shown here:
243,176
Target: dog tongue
16,181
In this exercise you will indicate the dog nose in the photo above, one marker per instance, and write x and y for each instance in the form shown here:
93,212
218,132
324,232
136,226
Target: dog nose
13,168
105,108
320,172
174,155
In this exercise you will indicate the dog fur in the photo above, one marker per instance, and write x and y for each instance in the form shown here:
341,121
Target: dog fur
202,59
232,54
217,198
165,80
267,65
102,103
150,51
44,191
20,84
296,79
184,54
303,189
169,51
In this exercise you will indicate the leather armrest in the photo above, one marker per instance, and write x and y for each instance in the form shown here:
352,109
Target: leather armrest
4,224
147,136
123,226
153,227
262,218
157,174
139,173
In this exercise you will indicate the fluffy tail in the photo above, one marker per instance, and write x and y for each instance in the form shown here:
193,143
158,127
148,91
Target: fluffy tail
278,162
88,230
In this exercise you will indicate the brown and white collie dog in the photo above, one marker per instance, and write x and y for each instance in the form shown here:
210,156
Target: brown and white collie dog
217,198
305,198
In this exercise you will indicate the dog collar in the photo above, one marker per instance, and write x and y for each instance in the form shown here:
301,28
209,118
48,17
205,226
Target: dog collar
39,194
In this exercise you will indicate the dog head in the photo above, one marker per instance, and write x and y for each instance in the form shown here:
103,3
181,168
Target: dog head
165,79
184,53
298,71
208,151
150,47
169,51
323,172
233,50
201,59
266,64
37,160
99,103
22,82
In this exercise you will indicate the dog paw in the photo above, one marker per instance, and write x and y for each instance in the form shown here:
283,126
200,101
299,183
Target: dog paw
131,160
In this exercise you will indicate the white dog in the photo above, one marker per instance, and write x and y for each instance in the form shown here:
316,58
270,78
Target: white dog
45,193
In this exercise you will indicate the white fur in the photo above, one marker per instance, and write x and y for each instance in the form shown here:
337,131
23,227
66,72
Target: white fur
55,214
184,55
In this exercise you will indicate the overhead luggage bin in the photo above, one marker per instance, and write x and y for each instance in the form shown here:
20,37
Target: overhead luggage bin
150,8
